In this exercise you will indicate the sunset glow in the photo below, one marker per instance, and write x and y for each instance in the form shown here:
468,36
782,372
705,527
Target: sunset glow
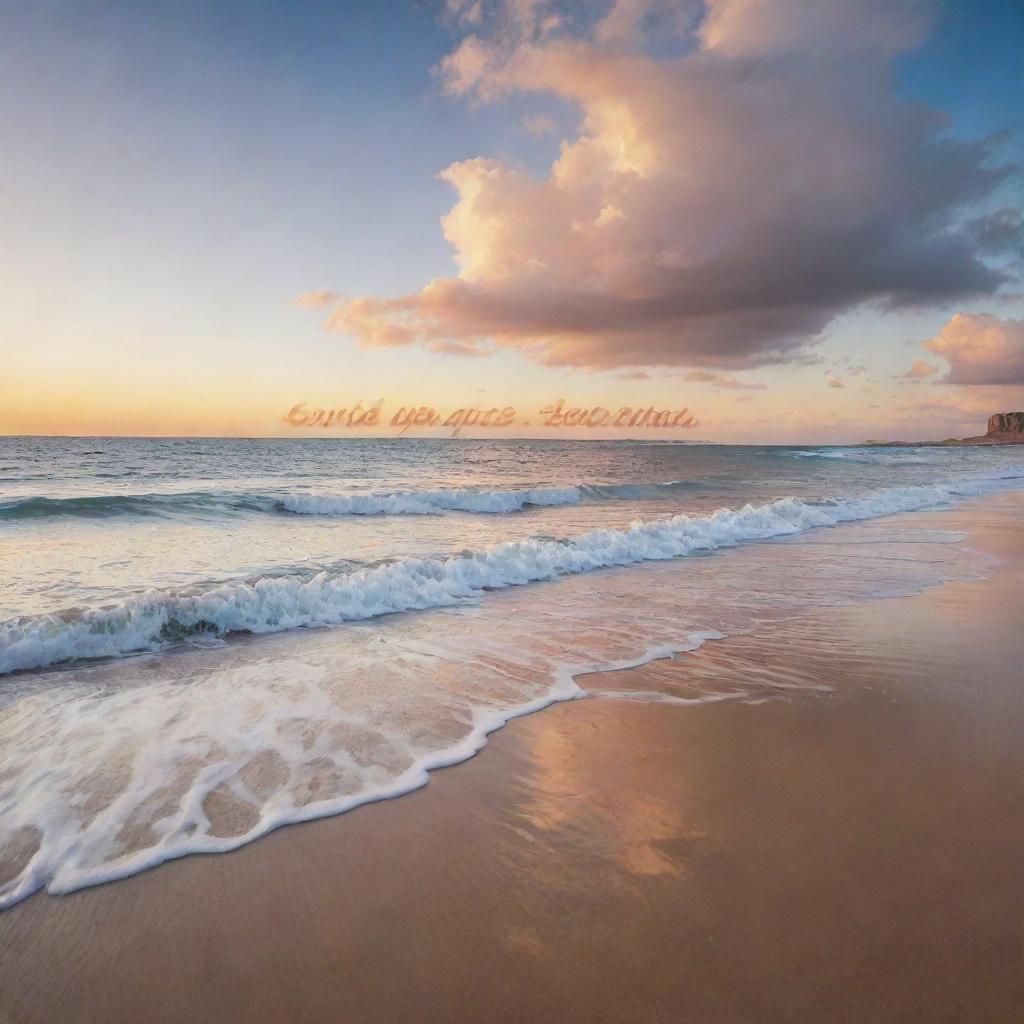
799,227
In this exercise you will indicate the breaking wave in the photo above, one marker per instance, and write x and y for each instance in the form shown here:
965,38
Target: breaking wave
156,619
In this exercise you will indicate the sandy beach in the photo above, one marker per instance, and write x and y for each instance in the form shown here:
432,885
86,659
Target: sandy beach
853,855
512,512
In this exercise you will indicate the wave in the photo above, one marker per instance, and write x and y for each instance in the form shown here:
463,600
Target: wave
156,619
911,455
428,502
435,502
103,506
619,492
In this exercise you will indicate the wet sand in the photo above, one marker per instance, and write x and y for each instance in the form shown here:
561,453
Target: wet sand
853,855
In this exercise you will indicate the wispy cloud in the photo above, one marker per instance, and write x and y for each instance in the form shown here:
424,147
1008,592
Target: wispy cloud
721,380
919,371
458,348
317,299
537,125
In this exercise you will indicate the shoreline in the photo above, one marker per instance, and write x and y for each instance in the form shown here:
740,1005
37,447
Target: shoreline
847,856
563,687
953,442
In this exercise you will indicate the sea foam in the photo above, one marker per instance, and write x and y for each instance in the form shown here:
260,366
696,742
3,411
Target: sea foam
156,619
110,768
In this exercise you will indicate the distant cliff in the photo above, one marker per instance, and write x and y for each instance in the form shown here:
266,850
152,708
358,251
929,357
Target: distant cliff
1007,426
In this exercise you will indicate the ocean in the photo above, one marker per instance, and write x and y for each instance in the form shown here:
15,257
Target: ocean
204,639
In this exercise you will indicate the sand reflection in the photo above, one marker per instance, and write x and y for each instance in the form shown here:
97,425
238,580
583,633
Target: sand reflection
589,792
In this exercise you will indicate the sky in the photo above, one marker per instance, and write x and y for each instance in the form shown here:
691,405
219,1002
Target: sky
798,219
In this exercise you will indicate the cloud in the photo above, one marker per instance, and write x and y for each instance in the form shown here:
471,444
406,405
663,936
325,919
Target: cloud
720,380
807,359
716,207
835,382
537,125
773,27
629,23
918,371
948,412
464,12
999,232
457,348
981,349
317,299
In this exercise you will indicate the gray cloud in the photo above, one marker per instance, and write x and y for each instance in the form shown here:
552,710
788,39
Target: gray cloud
1000,232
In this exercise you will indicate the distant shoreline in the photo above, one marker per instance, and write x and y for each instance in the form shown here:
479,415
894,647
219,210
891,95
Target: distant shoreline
952,442
1003,428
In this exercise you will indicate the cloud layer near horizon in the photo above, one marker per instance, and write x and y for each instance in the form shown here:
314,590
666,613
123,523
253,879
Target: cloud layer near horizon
717,208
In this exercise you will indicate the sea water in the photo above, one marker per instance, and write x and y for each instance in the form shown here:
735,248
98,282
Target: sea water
201,639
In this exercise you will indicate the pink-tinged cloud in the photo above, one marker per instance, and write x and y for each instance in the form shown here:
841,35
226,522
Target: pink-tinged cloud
937,413
716,209
721,380
537,125
919,371
317,299
981,349
458,348
771,27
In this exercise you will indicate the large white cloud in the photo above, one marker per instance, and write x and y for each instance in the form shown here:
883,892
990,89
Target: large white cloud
716,208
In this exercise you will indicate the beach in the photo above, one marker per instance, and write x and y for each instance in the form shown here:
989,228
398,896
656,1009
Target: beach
512,511
842,854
